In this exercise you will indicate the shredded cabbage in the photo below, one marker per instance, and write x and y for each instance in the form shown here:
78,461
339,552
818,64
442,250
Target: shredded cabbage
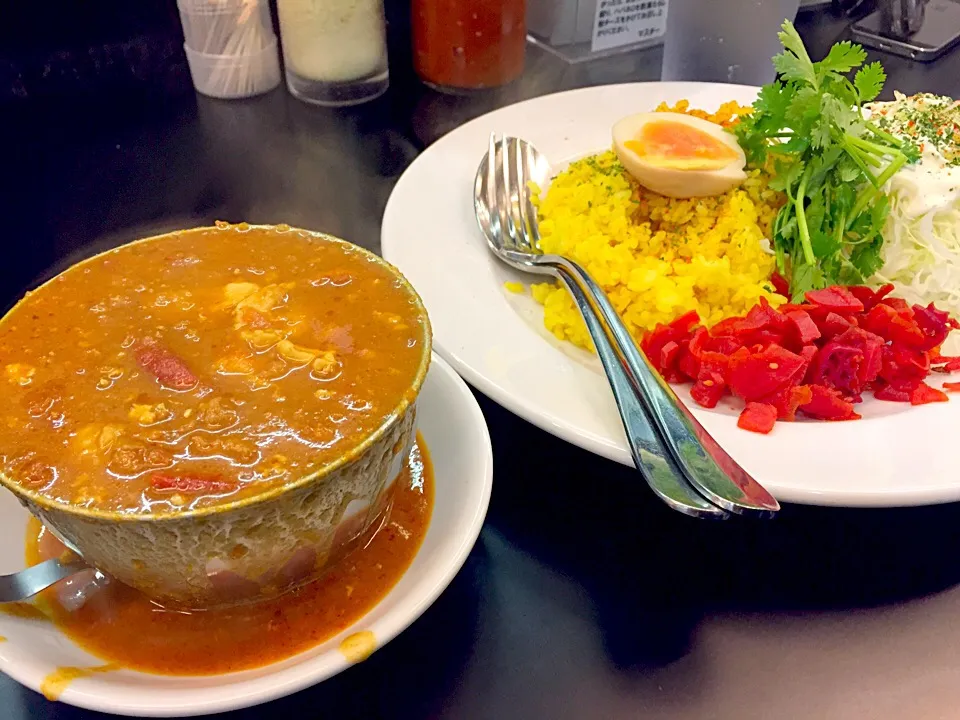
921,256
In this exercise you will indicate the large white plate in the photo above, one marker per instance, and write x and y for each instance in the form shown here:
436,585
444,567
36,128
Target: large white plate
896,455
457,438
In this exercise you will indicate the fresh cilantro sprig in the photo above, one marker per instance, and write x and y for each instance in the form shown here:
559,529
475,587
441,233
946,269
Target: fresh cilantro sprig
828,159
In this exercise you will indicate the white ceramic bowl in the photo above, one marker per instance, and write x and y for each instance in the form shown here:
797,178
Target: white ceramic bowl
459,445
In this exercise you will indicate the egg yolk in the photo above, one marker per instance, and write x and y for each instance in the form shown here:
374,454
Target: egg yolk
680,146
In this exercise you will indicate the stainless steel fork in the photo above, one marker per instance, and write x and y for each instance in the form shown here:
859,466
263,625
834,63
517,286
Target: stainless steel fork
680,461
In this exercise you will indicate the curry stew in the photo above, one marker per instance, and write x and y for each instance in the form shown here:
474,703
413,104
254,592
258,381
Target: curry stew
203,367
122,626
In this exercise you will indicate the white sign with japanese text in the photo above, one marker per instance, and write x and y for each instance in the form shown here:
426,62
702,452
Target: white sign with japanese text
624,22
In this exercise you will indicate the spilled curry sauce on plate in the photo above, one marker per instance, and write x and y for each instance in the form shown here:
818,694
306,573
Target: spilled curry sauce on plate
126,630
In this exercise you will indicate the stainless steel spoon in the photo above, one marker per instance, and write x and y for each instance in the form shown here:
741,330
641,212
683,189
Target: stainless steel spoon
25,584
680,461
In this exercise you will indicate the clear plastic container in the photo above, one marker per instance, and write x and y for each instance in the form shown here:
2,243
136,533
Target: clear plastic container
226,27
568,28
713,41
235,76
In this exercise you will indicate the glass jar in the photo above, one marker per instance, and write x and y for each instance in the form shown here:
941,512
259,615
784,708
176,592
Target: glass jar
335,51
463,45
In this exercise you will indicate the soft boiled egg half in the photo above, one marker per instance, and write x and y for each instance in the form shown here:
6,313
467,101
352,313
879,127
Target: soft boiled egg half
677,155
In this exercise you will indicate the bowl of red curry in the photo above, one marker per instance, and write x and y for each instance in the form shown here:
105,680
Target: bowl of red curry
214,415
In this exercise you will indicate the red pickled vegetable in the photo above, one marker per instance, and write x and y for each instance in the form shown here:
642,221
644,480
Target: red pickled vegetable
899,392
698,341
899,305
707,393
754,375
832,324
870,297
669,354
817,357
806,329
899,364
806,307
780,284
872,348
788,399
826,404
808,353
951,386
688,364
758,417
935,325
835,299
923,394
953,365
896,327
714,362
838,366
761,326
727,345
679,333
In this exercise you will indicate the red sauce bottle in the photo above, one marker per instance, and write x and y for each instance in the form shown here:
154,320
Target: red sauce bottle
468,44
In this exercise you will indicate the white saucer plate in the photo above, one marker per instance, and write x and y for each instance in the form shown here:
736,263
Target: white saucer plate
459,444
896,455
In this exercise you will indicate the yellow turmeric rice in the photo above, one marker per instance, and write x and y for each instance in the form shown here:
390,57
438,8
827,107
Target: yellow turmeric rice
656,257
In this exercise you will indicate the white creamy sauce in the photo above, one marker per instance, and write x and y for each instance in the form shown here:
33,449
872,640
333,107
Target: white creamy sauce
932,183
927,185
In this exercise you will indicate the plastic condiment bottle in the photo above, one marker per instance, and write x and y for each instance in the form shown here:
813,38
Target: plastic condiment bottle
335,51
463,45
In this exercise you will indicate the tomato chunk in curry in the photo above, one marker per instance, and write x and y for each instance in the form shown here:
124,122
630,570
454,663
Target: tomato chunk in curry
203,367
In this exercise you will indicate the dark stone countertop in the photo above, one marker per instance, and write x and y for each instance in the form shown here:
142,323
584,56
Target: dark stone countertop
584,597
